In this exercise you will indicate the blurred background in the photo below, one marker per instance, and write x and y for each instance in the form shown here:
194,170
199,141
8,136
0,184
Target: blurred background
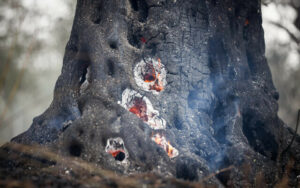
33,35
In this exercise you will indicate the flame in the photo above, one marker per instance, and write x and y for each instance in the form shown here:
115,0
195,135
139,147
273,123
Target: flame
139,108
170,149
161,141
158,140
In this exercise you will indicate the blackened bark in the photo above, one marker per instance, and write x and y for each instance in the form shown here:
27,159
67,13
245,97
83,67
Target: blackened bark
219,103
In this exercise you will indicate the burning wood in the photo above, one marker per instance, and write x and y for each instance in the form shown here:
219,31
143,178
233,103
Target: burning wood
142,107
150,75
139,108
163,143
115,147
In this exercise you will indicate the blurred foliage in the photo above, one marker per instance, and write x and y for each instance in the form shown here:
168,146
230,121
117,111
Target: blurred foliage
12,44
30,42
285,70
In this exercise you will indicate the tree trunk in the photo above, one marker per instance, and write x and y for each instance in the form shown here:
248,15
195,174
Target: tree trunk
177,87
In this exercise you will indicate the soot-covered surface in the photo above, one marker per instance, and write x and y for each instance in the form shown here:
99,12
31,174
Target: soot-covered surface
31,166
207,101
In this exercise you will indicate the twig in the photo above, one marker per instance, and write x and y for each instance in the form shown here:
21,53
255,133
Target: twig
290,33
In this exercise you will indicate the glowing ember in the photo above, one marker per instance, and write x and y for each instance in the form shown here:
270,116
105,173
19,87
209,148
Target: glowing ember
139,108
162,142
150,75
115,153
142,107
115,147
143,40
157,87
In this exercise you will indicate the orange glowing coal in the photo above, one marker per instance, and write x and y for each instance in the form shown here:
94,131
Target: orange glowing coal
116,152
158,140
157,85
169,149
139,108
151,76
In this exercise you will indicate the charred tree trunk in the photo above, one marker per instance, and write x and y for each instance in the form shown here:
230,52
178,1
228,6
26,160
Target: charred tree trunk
177,87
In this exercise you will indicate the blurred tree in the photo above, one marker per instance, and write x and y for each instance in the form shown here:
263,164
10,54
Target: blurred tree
28,52
13,45
283,56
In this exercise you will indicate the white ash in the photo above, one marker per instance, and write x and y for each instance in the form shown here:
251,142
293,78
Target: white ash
160,74
116,147
154,120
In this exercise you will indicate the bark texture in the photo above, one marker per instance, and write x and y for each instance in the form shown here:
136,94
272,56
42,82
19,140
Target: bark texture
219,103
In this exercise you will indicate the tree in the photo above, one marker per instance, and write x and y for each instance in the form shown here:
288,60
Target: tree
180,88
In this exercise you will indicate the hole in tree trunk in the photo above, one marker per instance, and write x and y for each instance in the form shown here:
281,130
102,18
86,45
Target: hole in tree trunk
110,67
83,76
113,44
75,148
97,14
141,7
116,147
134,36
134,5
120,156
84,80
